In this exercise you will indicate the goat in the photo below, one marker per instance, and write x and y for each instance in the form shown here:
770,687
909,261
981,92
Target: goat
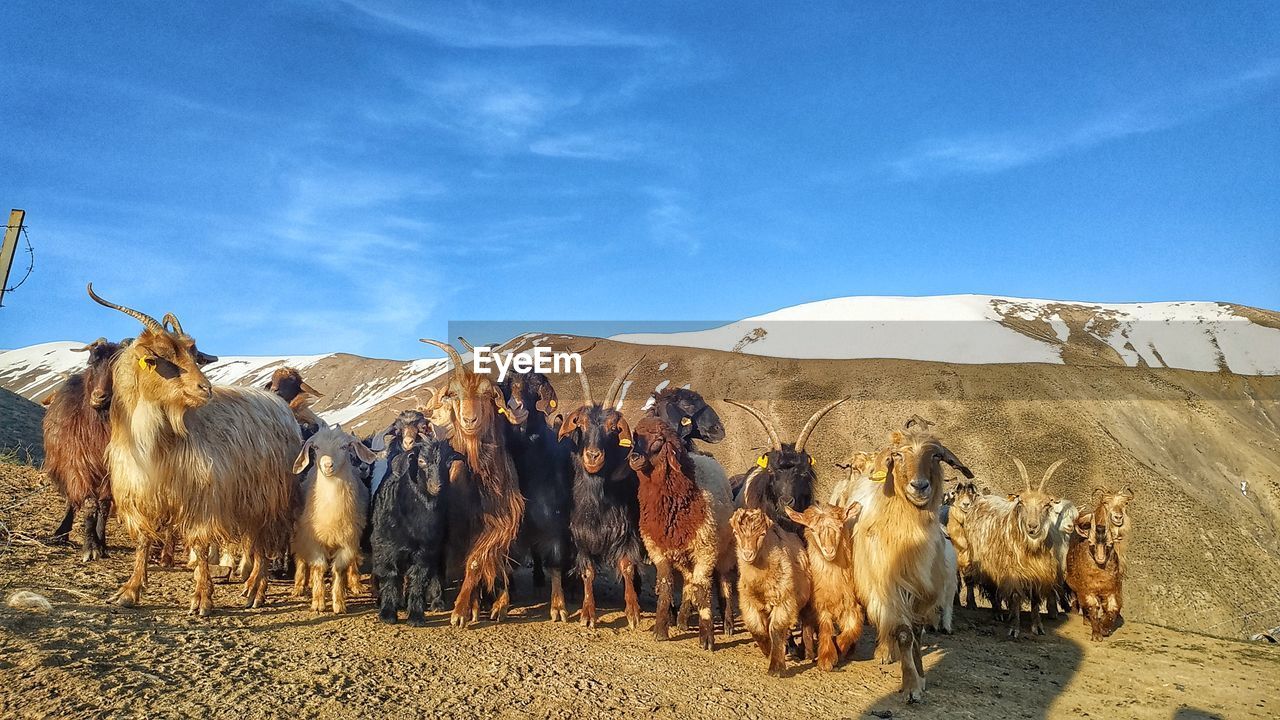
773,582
605,520
784,476
685,506
1115,505
409,531
1012,548
486,483
76,432
287,382
545,473
898,547
1095,572
964,495
335,511
1062,519
690,415
834,604
215,462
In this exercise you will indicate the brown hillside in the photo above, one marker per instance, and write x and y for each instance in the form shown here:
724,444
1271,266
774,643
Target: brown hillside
20,435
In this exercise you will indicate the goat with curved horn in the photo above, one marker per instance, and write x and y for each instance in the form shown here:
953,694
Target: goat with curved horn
1022,470
170,322
465,344
611,399
814,420
764,420
453,354
1049,473
149,322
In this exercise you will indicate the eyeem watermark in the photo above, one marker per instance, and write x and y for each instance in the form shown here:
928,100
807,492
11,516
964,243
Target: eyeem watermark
539,359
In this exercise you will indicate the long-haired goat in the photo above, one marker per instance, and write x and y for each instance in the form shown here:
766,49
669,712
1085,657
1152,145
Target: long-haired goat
215,462
965,494
493,504
409,531
784,476
1115,506
685,505
605,521
773,582
898,547
1095,572
690,415
834,605
335,510
545,473
76,432
1012,548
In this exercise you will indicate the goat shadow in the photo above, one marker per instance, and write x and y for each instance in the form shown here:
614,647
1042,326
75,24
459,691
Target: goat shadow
978,666
1190,713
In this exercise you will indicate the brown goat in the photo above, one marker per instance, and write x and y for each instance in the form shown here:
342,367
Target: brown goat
833,605
685,507
488,478
773,582
1095,573
1115,506
76,432
900,566
287,382
212,462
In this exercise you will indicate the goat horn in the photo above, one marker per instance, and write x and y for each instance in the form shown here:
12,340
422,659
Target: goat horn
89,347
465,344
586,349
586,388
612,397
146,320
453,355
1022,470
1049,473
170,319
768,426
813,422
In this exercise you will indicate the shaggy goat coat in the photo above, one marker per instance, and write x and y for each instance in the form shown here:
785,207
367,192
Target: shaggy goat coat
1095,572
773,582
833,610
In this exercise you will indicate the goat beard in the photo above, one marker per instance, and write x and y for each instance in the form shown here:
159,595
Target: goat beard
672,508
501,504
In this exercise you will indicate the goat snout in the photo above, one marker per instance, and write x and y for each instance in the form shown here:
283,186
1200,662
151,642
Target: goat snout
593,459
99,399
326,464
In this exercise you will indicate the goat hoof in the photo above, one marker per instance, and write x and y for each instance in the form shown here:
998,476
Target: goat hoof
125,598
457,619
417,621
1038,631
390,618
1014,633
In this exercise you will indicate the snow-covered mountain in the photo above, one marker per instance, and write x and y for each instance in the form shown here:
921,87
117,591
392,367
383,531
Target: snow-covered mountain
962,329
983,329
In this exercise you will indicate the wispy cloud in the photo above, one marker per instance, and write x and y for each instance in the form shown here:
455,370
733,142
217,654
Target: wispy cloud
469,25
671,222
586,146
992,153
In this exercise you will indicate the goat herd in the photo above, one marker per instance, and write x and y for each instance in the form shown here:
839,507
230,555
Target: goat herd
486,474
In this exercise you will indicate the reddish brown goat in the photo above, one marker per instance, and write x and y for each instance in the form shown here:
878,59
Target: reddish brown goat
1095,572
76,432
489,486
287,382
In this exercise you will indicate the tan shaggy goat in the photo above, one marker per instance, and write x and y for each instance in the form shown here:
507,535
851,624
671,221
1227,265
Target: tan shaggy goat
213,462
1095,572
834,605
773,582
966,493
335,510
1115,506
685,506
1013,548
485,485
899,567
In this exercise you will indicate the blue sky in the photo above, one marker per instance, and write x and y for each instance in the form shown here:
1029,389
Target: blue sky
351,175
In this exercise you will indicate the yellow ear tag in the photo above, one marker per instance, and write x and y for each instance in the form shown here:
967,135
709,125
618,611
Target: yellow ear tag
144,365
879,475
685,421
763,462
624,442
552,403
811,461
501,411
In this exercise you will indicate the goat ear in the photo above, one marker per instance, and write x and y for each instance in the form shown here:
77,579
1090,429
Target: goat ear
1127,492
304,457
363,452
1098,494
796,517
1084,524
266,385
949,458
308,389
570,424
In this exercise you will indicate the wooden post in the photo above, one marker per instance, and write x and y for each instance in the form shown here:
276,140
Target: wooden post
9,248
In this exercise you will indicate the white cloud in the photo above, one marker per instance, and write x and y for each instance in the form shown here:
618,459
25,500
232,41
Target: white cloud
585,146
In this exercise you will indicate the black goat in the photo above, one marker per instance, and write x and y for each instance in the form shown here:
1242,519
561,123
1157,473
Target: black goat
605,521
409,529
545,473
690,415
784,476
76,432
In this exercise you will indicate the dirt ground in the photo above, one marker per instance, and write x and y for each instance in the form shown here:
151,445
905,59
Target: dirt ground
89,659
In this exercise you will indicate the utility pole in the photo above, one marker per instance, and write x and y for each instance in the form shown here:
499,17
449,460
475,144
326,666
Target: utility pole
9,248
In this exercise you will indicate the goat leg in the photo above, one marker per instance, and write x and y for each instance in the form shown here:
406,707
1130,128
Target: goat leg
779,632
464,604
912,682
435,586
340,566
588,594
726,604
1015,615
131,591
558,613
662,613
630,579
1036,627
317,583
202,592
60,535
389,586
826,642
355,583
256,585
700,587
90,526
851,630
100,527
498,612
300,577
